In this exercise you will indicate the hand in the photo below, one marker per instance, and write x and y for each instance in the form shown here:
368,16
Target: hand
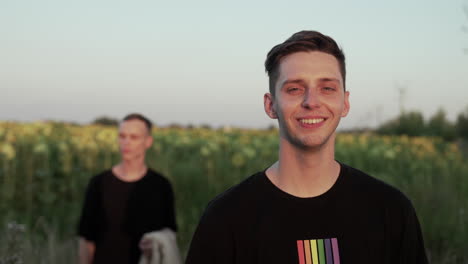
146,247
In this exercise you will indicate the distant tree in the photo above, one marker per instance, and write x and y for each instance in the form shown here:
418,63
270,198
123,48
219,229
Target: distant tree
389,127
175,126
205,126
106,121
408,123
462,124
438,125
412,124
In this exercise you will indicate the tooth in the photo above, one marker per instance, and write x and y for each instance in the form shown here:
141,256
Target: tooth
312,121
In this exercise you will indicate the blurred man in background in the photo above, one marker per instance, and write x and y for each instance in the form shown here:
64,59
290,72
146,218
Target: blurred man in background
125,202
307,207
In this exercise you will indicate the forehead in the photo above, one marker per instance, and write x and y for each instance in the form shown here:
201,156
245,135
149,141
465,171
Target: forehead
133,126
309,66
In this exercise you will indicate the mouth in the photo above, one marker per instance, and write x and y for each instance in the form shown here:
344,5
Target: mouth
312,122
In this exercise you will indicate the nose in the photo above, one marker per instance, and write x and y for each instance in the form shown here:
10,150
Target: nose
311,99
124,141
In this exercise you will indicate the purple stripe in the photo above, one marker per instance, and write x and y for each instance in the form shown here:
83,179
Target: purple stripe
336,251
328,250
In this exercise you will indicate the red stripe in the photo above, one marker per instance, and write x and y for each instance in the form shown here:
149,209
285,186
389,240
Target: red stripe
300,251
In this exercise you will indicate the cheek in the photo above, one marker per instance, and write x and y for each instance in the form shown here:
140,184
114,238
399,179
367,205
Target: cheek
337,103
285,105
142,145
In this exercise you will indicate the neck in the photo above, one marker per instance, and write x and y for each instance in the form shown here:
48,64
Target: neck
130,170
305,172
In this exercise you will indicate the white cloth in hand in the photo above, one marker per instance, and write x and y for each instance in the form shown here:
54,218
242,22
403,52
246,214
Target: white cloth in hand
164,249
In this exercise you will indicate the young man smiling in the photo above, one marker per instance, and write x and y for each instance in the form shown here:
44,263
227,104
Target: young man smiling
308,208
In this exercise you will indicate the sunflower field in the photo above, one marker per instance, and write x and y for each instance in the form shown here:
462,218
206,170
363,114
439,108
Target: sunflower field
45,167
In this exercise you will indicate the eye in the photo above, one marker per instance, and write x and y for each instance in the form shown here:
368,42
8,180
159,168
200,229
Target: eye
293,90
327,88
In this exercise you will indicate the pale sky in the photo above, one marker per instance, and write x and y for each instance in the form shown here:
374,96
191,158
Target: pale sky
201,62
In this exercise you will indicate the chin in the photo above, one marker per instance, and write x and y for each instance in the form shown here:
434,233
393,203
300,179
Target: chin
310,141
127,157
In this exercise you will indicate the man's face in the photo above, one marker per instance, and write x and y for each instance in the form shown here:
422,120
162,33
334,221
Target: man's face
309,100
134,139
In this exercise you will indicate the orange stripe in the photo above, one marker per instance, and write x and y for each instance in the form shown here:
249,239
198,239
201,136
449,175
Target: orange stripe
307,252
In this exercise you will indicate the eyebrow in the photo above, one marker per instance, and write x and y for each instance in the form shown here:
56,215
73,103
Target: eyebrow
294,81
302,82
329,80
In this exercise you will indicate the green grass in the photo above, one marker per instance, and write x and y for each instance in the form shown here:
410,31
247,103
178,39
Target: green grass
42,186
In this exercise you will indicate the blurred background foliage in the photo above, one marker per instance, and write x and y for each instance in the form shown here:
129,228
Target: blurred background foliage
45,167
412,123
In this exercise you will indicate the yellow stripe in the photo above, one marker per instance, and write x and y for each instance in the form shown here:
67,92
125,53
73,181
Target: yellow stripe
313,247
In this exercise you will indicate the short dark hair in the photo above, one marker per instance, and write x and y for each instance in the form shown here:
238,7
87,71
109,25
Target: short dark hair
136,116
306,40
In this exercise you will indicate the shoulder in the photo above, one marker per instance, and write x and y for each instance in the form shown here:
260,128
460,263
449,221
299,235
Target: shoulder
238,198
369,187
97,179
225,217
155,175
239,192
154,180
394,210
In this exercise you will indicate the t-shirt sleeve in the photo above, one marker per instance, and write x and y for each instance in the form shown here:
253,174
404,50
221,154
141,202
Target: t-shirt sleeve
412,246
87,226
212,241
170,209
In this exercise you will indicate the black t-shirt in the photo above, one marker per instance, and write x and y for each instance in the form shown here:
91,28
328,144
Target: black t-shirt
116,214
359,220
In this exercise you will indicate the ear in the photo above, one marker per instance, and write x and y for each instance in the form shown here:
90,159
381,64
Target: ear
269,105
149,141
346,105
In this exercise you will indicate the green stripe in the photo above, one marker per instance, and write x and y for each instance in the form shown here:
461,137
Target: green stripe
321,251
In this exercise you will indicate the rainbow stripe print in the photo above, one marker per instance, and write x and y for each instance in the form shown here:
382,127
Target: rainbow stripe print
318,251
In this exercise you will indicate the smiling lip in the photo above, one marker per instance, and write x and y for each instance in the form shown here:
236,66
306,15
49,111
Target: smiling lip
311,122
